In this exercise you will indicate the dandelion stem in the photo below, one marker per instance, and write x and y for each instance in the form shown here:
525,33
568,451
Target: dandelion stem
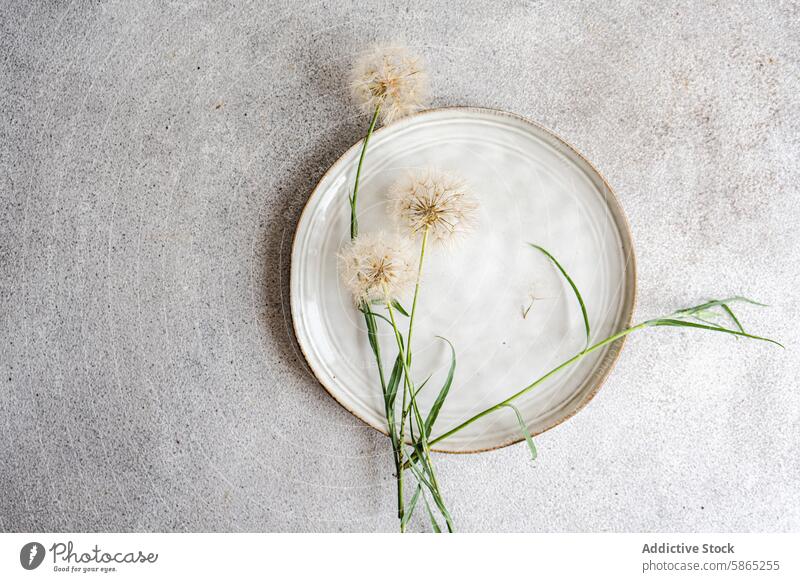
407,357
354,198
406,405
416,295
406,364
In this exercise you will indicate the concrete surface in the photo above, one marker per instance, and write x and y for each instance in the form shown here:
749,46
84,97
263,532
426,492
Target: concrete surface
155,157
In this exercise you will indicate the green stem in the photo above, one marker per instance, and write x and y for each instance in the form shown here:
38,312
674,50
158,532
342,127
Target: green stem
416,295
354,198
426,449
404,410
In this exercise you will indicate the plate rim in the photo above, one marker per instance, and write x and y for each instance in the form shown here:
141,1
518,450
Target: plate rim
609,361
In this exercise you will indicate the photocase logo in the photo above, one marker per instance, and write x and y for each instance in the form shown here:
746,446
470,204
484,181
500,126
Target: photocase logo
31,555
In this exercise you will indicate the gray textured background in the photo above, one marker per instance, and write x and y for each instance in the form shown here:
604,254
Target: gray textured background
155,158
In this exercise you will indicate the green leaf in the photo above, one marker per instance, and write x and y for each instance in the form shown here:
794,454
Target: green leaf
437,499
682,323
708,305
418,474
372,335
421,386
434,525
372,330
437,404
717,302
420,458
384,318
390,388
735,319
711,323
574,289
524,428
410,509
398,307
434,490
699,311
394,382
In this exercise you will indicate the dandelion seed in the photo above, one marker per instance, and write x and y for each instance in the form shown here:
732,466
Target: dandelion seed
392,78
436,202
377,267
532,298
527,310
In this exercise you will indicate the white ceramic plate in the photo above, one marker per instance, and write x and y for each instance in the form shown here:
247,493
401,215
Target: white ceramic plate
532,187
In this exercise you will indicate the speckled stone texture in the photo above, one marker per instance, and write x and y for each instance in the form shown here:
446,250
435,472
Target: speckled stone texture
155,159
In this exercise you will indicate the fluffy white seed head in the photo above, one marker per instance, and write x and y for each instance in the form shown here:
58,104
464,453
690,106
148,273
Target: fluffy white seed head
390,77
377,267
434,200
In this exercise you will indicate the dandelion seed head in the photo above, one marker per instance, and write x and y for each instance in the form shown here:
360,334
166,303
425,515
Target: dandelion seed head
437,201
390,77
377,267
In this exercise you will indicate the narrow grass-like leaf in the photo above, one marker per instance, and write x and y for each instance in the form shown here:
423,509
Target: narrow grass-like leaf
398,307
711,323
410,508
718,302
574,289
735,319
372,332
372,335
524,428
699,310
421,386
434,525
683,323
390,388
437,499
394,382
383,317
420,458
437,404
711,315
